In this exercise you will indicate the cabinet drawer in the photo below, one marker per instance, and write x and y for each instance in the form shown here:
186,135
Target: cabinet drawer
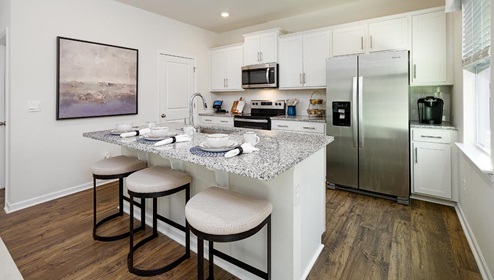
228,121
310,127
431,135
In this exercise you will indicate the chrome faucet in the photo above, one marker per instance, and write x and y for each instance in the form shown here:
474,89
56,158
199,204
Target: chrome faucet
191,107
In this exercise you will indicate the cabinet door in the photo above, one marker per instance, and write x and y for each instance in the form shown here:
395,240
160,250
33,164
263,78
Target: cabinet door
291,62
234,63
429,49
218,69
388,35
315,51
269,47
432,169
348,40
251,50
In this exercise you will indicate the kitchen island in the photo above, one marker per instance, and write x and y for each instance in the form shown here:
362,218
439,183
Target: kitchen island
289,170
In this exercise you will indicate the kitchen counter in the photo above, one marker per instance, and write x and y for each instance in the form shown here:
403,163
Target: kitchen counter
228,115
300,118
443,125
279,151
289,171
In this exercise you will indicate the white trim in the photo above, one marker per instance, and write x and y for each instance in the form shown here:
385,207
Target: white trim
6,34
479,159
433,200
12,207
312,262
474,246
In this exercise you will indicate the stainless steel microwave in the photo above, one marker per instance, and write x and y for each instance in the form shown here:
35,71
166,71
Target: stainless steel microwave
260,76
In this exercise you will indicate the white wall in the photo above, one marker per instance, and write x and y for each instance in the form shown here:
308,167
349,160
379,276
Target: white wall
4,14
50,156
354,11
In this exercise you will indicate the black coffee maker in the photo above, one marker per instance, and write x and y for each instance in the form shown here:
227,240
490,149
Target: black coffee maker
430,110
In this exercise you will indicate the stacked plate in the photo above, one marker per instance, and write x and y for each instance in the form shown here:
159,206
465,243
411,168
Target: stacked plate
229,146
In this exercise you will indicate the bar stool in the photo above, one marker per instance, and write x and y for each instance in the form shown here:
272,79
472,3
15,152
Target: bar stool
117,167
219,215
154,182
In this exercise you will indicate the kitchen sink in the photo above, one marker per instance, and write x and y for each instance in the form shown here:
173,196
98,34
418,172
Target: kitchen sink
216,130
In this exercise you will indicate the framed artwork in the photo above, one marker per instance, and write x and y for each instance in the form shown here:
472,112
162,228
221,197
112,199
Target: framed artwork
95,80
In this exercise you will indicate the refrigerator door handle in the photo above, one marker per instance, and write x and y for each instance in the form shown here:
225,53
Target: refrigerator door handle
360,118
354,113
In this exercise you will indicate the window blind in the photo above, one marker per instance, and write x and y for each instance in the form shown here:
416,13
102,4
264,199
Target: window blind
476,31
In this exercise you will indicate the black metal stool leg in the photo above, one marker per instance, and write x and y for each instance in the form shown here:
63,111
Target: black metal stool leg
211,260
187,227
94,207
269,248
200,258
120,196
143,214
131,251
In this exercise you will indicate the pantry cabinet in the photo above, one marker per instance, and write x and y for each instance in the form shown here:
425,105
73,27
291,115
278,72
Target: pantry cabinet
303,60
431,51
261,47
431,162
226,63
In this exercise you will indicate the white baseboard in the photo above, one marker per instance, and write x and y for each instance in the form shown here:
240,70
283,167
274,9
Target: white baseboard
12,207
312,262
474,246
433,200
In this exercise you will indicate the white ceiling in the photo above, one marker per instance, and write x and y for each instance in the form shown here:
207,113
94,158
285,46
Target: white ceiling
206,13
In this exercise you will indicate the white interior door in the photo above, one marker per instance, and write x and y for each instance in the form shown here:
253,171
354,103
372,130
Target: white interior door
176,85
2,113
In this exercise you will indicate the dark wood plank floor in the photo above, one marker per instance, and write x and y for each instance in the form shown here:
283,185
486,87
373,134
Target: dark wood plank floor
366,238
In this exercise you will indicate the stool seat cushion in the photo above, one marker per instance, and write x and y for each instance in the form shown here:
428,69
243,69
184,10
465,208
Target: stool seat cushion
223,212
117,165
156,179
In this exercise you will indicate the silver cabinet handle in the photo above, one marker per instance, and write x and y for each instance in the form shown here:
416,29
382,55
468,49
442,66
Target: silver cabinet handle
261,56
371,42
3,123
300,78
226,82
304,78
208,120
309,127
279,125
415,71
416,158
224,121
258,57
362,42
428,136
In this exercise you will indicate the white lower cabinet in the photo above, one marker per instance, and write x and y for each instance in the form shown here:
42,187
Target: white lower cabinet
298,126
225,121
431,162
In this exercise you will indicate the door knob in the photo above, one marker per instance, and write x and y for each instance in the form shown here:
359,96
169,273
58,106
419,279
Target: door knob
3,123
163,116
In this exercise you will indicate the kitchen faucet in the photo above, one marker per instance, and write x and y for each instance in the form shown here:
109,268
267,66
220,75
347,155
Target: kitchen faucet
191,109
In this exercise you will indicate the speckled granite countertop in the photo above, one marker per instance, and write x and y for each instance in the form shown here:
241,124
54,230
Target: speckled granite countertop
279,150
443,125
228,115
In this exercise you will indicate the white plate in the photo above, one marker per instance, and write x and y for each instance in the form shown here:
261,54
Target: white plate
158,138
118,132
229,146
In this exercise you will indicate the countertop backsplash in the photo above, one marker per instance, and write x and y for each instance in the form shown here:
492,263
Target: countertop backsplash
302,95
445,93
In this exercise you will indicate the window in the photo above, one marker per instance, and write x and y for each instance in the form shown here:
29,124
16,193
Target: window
476,59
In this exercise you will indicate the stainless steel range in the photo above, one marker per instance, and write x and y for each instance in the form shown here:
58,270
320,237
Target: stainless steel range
260,114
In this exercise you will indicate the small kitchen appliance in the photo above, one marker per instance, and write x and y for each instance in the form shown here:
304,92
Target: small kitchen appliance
260,114
430,110
217,106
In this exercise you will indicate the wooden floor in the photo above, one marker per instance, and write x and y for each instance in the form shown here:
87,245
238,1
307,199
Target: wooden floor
366,238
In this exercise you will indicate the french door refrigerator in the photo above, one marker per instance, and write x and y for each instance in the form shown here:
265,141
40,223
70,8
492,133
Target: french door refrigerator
367,113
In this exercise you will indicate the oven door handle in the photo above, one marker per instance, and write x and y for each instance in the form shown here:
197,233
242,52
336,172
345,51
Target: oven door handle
250,120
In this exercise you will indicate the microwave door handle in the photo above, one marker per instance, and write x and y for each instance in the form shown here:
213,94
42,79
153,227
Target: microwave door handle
267,75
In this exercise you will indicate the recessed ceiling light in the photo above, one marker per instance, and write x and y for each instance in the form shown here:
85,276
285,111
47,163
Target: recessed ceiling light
225,14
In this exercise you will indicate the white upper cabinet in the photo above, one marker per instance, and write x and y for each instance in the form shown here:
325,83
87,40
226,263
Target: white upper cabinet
349,40
226,63
261,47
431,52
389,35
303,60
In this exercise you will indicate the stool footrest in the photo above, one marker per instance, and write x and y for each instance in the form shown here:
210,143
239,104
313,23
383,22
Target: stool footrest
241,264
172,223
113,237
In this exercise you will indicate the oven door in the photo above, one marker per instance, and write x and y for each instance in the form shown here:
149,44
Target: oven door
252,123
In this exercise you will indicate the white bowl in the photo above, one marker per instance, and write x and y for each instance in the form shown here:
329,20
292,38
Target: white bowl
217,140
124,126
158,131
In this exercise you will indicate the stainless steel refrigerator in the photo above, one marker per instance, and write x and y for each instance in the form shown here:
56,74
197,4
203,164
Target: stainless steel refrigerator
367,113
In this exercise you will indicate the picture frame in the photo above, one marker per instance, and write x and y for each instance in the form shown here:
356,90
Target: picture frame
95,79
